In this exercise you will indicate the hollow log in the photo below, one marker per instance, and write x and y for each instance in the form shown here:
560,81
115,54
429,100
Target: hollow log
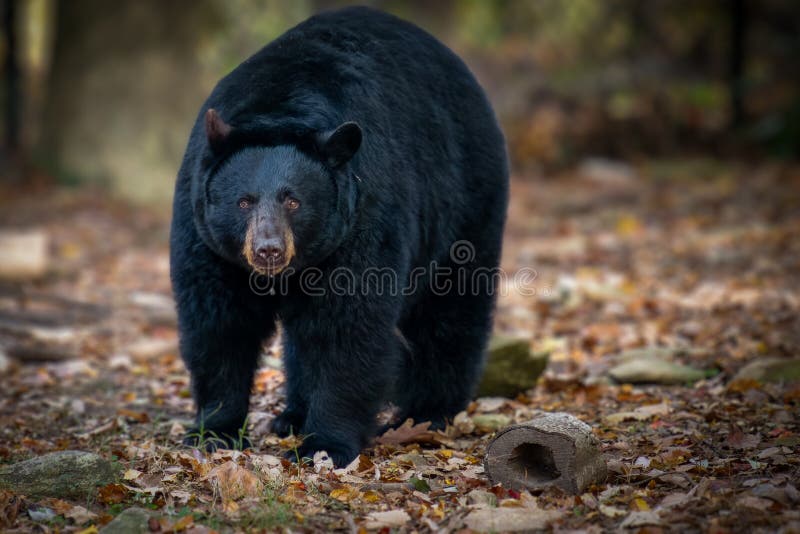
553,449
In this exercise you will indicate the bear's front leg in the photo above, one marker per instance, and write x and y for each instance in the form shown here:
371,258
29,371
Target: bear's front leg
222,360
293,417
344,360
222,326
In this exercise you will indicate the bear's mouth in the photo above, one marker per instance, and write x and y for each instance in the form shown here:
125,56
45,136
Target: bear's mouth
268,268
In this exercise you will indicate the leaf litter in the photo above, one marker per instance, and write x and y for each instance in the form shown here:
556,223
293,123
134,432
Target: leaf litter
700,276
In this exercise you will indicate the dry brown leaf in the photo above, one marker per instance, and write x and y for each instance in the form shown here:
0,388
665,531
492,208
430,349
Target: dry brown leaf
132,415
177,430
365,465
79,515
755,503
234,482
131,474
9,508
408,432
739,440
183,523
112,494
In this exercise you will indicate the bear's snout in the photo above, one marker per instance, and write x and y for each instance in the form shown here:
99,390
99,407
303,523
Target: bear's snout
271,251
267,249
266,252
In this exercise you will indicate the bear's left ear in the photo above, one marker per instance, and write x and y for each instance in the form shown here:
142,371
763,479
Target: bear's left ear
339,145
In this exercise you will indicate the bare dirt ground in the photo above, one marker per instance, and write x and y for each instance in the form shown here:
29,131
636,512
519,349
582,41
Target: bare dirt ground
699,258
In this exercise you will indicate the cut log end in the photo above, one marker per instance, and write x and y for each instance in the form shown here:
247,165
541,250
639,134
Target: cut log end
553,449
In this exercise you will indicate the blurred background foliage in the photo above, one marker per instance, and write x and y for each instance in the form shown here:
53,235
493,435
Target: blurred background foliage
105,92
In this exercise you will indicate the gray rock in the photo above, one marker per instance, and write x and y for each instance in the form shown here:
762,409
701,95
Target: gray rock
523,519
491,421
654,371
63,474
655,352
770,370
511,367
130,521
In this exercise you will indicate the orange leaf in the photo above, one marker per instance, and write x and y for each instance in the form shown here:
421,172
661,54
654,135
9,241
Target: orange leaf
234,482
139,417
345,494
183,523
112,494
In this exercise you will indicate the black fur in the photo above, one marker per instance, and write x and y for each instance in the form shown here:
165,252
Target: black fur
422,167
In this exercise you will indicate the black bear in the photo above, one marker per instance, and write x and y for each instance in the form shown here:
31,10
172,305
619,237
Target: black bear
355,165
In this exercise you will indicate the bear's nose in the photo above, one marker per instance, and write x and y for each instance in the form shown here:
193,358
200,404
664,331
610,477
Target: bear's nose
270,251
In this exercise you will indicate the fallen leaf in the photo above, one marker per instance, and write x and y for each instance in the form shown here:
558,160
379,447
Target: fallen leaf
177,430
234,482
183,523
132,415
9,508
344,494
674,499
611,511
739,440
131,474
754,503
371,496
112,494
408,432
181,497
419,484
79,515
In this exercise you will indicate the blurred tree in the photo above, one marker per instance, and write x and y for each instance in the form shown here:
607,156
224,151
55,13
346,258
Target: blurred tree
125,85
118,84
12,96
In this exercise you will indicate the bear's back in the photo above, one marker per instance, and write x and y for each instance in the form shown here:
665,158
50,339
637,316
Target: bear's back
432,153
356,64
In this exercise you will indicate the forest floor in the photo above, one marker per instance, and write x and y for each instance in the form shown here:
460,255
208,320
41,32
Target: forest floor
699,258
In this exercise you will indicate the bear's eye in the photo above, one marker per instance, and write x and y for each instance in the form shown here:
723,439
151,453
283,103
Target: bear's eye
244,203
292,203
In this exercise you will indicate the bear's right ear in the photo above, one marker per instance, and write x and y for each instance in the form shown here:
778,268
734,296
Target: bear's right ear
217,130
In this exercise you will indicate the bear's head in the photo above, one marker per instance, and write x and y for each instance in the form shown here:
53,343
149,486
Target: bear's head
268,207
